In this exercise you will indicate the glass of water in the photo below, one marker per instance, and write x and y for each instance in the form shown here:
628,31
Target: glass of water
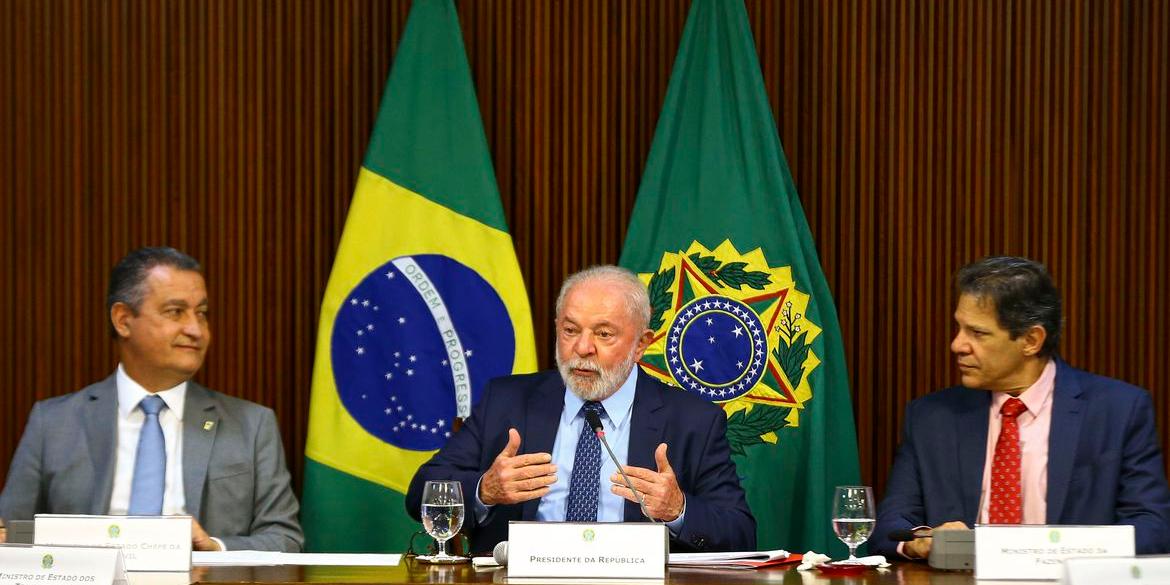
853,515
442,517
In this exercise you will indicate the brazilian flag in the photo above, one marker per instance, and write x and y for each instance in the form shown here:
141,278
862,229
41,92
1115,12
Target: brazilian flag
425,303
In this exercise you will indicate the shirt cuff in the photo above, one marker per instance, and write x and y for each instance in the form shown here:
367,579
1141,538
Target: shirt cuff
901,545
222,546
480,509
676,525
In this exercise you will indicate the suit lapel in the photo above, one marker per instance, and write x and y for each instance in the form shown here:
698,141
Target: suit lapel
542,415
1067,414
972,433
646,432
200,425
101,431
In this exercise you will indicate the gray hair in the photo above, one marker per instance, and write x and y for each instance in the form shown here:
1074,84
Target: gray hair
128,278
632,290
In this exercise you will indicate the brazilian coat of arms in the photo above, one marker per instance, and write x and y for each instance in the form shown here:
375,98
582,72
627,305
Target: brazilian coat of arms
735,331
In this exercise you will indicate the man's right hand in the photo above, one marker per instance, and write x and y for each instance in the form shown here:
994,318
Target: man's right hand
919,548
517,478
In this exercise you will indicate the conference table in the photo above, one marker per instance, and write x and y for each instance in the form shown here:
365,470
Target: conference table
411,572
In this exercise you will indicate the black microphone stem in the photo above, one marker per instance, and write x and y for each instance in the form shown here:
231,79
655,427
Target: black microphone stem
600,432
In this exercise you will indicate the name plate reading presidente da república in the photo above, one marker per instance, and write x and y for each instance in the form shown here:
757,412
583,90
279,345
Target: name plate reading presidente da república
1013,551
624,550
30,564
148,543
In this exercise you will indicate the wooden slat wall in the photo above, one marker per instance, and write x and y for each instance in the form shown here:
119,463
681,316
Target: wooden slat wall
922,135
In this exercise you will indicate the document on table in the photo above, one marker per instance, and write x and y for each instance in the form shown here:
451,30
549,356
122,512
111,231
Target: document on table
732,560
256,558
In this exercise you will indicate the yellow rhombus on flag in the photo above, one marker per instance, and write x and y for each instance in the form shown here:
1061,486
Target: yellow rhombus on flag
425,303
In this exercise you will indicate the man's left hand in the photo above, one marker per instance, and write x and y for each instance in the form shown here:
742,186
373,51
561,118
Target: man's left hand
664,500
200,540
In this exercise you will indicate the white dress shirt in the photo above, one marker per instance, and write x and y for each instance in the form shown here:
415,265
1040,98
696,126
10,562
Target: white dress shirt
130,419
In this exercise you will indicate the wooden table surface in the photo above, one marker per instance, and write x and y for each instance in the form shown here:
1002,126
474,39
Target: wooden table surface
411,572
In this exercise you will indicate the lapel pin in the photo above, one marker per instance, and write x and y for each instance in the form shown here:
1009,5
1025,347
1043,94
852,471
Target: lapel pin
208,425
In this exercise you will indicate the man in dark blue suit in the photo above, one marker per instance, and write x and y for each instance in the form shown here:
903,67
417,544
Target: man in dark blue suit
526,453
1076,449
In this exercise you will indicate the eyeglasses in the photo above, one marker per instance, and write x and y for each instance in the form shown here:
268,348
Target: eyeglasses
461,543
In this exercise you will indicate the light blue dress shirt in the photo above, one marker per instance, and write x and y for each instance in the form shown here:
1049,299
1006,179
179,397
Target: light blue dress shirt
616,422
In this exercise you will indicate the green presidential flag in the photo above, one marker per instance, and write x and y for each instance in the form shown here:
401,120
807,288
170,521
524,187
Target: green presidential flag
742,314
425,302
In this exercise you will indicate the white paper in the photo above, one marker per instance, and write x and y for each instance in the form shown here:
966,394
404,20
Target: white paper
158,578
719,557
336,559
256,558
485,562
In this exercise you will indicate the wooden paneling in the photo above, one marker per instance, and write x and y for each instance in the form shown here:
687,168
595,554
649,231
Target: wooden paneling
922,135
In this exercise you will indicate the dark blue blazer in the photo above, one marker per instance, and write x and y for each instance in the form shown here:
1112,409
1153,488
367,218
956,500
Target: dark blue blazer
1104,462
717,516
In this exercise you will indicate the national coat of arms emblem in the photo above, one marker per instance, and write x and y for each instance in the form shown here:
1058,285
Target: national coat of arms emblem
735,331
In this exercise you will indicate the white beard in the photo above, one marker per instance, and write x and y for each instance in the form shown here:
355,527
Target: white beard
599,388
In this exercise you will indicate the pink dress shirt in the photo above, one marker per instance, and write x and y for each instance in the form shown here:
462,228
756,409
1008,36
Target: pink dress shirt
1034,425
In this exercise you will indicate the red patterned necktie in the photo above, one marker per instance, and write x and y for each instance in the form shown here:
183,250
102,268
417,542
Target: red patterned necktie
1006,505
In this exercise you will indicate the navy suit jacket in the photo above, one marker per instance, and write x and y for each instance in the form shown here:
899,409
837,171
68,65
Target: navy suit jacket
717,517
1104,462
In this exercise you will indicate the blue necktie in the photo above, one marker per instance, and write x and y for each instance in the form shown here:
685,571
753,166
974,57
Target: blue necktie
150,465
585,484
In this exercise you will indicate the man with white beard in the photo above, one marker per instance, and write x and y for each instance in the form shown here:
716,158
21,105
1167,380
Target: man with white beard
526,452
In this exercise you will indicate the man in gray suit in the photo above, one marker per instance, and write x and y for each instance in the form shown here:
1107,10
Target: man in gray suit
149,440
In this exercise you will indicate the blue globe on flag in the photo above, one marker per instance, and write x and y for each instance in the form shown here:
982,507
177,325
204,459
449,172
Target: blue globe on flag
413,346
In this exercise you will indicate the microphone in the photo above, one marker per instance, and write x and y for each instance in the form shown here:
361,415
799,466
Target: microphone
500,553
594,421
908,535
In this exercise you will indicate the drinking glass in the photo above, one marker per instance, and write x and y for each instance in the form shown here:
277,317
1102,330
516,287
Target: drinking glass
442,517
853,516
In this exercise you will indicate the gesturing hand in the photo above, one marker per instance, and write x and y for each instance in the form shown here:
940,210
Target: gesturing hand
516,478
664,500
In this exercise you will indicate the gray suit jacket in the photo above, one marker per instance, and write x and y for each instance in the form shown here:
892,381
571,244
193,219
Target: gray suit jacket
235,479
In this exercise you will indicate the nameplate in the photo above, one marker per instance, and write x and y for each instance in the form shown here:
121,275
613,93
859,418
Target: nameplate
590,550
1135,571
26,564
148,543
1038,552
